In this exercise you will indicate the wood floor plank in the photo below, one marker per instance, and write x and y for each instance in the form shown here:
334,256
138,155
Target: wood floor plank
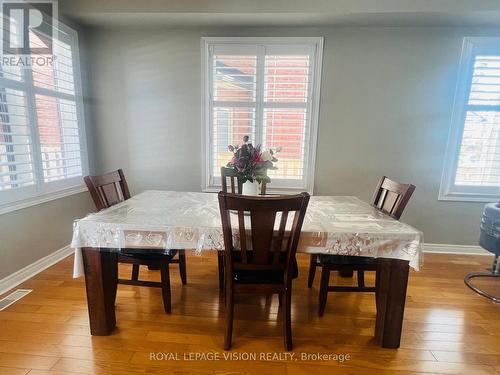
51,372
467,357
66,351
13,371
307,369
27,361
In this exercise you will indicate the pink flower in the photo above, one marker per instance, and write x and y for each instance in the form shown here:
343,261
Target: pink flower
257,159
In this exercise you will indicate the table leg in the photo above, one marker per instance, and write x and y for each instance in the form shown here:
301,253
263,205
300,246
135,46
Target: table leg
391,296
101,279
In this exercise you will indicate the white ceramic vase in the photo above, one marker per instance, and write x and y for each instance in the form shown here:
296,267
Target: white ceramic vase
251,188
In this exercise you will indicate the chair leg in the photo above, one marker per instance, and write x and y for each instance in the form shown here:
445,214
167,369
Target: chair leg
182,266
165,287
312,270
287,318
269,300
220,263
323,290
135,272
361,279
229,319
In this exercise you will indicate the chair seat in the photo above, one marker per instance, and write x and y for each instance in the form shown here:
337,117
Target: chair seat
261,277
346,260
148,254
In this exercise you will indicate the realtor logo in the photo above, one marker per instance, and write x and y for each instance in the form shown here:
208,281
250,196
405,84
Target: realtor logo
27,27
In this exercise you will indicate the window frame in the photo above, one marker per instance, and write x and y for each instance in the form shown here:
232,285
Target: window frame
448,191
213,185
41,192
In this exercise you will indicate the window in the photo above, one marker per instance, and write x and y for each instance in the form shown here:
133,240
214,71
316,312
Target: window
472,166
268,89
42,140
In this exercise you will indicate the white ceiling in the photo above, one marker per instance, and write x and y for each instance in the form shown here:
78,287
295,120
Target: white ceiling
283,12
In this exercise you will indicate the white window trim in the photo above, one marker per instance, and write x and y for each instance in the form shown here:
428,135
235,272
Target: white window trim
448,191
206,185
66,187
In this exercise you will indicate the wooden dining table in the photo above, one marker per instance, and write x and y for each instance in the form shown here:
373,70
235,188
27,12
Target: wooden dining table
341,225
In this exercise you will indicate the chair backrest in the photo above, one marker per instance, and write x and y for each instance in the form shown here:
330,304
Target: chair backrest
107,189
268,249
392,197
235,183
232,175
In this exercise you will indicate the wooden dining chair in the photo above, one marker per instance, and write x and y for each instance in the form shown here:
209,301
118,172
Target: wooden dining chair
263,259
390,197
111,188
236,187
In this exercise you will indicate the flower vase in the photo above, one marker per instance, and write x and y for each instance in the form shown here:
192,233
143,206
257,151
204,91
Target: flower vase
251,188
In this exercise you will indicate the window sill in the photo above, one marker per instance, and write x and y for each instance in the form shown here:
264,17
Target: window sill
460,197
29,202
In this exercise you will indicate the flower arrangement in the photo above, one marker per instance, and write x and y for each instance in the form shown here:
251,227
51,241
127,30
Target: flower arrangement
252,163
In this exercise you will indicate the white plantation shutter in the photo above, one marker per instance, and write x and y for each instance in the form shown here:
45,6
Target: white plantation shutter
268,89
474,170
16,162
287,96
57,114
42,145
60,76
479,157
233,104
60,141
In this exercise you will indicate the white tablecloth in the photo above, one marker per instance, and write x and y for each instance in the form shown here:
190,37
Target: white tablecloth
180,220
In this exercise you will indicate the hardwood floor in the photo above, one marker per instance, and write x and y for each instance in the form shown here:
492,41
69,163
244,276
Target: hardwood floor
448,328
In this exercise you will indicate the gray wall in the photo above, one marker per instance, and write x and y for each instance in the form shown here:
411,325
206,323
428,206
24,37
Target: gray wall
386,102
30,234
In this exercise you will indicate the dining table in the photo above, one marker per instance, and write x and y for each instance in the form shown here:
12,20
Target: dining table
337,225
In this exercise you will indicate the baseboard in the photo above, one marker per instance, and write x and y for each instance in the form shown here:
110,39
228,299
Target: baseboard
31,270
454,249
